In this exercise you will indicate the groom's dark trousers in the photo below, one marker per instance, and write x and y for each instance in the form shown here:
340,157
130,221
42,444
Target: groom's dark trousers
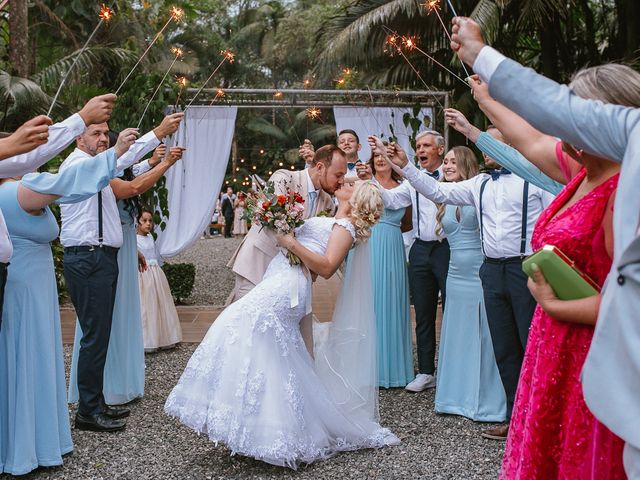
428,267
91,274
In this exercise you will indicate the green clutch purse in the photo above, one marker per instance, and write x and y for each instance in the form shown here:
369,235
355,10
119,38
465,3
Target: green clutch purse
567,281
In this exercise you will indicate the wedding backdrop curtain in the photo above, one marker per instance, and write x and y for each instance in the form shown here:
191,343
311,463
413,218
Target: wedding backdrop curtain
194,182
375,121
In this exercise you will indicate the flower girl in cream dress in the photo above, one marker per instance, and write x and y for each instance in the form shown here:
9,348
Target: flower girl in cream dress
160,323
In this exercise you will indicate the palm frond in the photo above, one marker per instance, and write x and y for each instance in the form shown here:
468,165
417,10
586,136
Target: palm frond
487,14
92,59
57,22
20,99
262,126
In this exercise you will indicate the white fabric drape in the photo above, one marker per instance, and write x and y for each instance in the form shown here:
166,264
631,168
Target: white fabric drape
375,121
194,182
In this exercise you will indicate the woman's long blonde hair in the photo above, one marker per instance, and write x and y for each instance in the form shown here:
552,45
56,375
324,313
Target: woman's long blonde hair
467,164
366,208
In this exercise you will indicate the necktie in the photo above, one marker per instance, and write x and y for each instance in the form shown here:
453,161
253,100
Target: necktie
312,201
495,174
351,166
435,174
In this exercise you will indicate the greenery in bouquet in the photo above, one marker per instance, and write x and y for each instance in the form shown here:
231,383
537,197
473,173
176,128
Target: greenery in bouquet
281,213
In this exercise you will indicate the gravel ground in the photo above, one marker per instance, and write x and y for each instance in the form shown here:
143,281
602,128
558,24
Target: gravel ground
156,446
214,281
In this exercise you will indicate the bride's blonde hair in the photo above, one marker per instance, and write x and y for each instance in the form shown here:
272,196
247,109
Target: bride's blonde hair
366,208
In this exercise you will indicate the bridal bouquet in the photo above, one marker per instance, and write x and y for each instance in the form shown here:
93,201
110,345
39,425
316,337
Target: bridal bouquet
280,213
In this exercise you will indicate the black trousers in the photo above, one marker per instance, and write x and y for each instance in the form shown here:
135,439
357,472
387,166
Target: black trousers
428,267
3,284
91,278
510,308
228,225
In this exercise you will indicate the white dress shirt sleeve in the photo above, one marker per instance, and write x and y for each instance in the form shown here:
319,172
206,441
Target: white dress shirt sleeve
460,193
140,168
60,136
487,62
399,197
138,150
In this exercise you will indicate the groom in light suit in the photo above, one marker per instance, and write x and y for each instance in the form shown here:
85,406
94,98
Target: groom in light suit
315,184
611,374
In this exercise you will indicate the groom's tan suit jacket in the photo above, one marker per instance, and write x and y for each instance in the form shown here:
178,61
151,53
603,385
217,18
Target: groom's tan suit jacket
259,246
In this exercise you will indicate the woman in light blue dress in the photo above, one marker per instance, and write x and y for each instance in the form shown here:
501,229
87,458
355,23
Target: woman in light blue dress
124,367
468,382
34,419
391,288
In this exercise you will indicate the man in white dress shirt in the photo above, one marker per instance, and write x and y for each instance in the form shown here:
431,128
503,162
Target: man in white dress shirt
428,257
24,160
611,374
91,234
507,208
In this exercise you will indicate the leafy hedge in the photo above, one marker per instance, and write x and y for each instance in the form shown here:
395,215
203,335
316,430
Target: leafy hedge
181,277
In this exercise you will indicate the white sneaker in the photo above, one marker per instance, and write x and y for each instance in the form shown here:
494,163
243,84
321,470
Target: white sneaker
421,382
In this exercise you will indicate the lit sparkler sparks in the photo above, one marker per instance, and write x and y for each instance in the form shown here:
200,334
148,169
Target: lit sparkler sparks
182,81
178,54
306,83
313,112
104,15
228,55
175,14
277,94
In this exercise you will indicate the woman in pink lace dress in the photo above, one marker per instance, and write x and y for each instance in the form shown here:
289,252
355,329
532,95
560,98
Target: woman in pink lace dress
552,433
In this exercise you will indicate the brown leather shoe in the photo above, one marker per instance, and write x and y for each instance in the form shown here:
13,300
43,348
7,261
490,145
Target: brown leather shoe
498,433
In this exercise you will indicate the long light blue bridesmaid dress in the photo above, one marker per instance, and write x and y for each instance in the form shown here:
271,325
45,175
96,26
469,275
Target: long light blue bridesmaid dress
34,418
391,301
124,369
468,382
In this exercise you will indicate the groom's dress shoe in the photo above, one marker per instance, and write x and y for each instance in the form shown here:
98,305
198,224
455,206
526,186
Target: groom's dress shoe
116,412
421,382
98,423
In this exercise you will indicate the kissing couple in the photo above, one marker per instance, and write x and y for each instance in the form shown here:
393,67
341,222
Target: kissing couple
253,383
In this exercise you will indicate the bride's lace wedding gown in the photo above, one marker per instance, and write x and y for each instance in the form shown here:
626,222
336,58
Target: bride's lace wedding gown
251,383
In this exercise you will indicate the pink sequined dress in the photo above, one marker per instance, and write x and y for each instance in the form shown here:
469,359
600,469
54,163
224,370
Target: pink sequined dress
552,434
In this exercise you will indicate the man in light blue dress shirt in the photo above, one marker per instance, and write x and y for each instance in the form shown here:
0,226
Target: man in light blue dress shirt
611,375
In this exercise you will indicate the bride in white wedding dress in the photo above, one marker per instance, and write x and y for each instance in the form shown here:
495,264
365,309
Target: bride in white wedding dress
252,385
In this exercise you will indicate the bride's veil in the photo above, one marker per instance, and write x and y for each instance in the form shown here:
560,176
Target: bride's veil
346,361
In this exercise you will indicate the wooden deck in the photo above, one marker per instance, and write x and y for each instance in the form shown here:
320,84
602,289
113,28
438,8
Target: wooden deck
195,321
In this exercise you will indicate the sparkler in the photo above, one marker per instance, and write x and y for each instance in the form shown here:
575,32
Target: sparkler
434,6
392,42
313,113
182,81
176,14
227,56
178,54
104,15
410,43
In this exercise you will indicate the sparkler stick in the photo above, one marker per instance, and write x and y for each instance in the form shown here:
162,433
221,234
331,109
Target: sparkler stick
227,55
219,94
392,41
178,53
434,6
105,15
411,44
176,14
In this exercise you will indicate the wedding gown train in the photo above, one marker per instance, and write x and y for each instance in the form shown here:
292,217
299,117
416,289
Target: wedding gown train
252,385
